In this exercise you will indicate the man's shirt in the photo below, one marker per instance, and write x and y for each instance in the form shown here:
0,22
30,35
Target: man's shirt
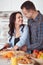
36,32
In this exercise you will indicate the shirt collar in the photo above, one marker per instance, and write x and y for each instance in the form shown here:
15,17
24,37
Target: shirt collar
37,19
38,16
21,27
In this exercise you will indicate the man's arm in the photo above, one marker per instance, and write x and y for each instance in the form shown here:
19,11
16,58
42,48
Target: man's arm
39,40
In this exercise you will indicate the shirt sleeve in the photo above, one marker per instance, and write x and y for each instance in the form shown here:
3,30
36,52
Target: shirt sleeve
23,37
9,41
39,43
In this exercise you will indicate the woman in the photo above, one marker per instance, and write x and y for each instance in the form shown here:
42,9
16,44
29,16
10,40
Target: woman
18,32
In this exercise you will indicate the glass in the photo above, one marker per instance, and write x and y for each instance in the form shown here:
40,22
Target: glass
14,61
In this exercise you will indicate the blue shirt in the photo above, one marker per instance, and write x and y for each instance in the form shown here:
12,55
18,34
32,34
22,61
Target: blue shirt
24,37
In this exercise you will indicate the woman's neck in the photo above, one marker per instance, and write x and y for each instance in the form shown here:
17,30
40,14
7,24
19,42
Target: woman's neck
17,28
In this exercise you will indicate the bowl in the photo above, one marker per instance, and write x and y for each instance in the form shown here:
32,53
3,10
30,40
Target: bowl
25,64
38,60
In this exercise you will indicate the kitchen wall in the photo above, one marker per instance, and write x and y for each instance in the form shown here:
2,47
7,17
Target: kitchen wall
12,5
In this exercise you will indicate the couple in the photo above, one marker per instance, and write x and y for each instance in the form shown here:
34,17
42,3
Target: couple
26,37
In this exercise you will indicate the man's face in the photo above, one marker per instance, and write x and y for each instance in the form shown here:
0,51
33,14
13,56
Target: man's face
27,13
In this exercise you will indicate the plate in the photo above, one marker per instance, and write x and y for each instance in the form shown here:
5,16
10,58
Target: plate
25,64
38,60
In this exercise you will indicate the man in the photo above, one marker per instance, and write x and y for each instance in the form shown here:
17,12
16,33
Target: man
35,22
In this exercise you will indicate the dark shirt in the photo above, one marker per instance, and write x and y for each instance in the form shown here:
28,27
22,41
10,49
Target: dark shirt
36,31
16,40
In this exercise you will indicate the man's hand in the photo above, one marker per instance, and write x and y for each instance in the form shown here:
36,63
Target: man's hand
24,48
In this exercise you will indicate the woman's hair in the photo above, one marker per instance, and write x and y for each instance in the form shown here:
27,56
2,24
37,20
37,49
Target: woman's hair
28,5
12,22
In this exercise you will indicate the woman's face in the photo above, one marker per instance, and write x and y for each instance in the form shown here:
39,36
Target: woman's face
19,19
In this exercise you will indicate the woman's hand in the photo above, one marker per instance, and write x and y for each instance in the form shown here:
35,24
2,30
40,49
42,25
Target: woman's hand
16,47
23,48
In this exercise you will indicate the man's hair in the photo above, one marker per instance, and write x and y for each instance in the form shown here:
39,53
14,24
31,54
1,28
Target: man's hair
28,5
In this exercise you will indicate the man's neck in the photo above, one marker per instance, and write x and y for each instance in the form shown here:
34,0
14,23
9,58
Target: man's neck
35,13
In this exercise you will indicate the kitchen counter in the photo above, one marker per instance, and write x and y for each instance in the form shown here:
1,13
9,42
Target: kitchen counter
8,62
5,61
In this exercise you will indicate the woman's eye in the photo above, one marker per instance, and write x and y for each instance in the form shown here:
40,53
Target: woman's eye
20,17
